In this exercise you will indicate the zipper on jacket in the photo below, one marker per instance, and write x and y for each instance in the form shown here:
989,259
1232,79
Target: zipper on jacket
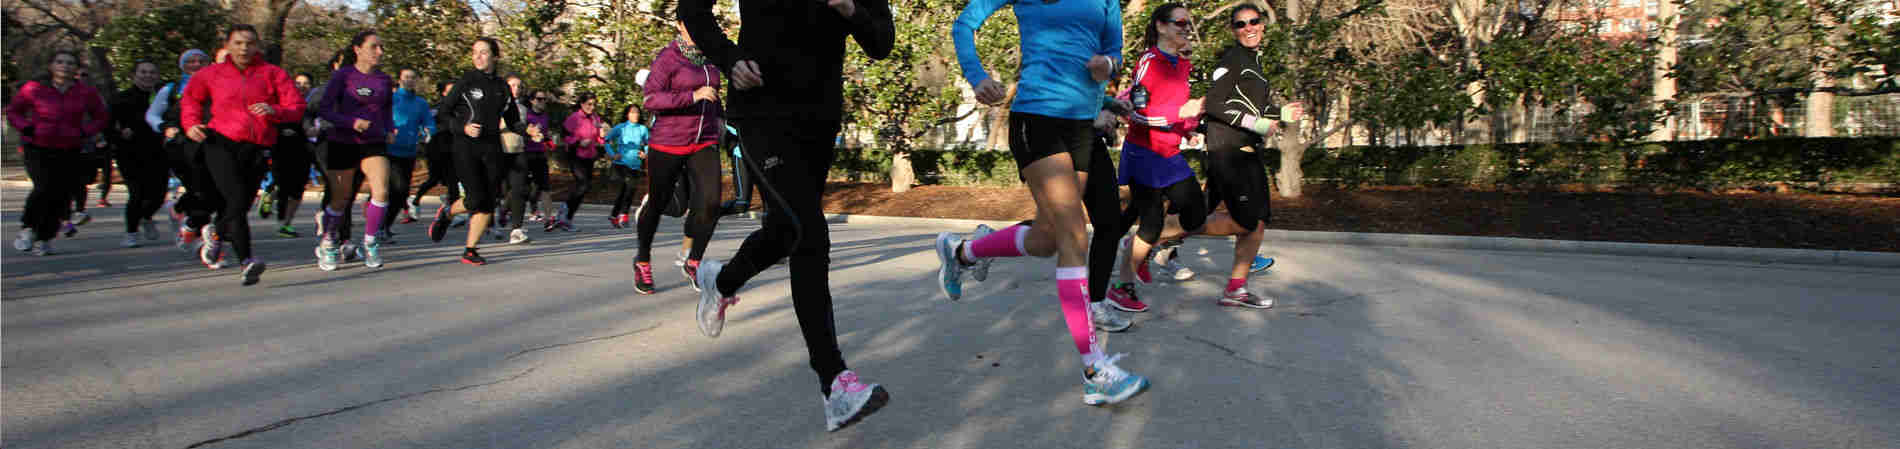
701,129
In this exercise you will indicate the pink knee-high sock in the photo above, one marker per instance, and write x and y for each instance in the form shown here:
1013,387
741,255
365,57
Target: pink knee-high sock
1005,243
373,217
1072,288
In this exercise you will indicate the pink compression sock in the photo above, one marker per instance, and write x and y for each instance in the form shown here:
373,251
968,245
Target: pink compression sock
1005,243
1236,284
1072,288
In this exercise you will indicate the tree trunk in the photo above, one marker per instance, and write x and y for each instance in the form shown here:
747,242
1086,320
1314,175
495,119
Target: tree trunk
270,18
103,68
1291,175
1520,125
1477,127
1663,88
902,174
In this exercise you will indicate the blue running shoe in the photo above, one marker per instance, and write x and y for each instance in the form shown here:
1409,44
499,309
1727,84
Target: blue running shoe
950,272
1110,384
1260,263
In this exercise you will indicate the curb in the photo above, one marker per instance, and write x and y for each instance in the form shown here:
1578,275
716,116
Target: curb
1697,252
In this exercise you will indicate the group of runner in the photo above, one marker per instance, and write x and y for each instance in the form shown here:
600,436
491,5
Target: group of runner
234,120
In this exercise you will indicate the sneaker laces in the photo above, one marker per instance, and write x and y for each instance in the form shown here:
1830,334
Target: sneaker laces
644,272
846,381
1107,372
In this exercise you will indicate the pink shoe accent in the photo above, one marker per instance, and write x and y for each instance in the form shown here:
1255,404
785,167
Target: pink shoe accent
848,382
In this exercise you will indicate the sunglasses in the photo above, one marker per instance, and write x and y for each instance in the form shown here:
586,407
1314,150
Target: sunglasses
1179,23
540,98
1246,23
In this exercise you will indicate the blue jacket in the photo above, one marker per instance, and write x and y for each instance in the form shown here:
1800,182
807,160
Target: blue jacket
626,143
413,119
1057,40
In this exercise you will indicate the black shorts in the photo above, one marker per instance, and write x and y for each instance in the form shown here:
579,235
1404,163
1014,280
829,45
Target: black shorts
480,165
1239,179
1034,137
347,156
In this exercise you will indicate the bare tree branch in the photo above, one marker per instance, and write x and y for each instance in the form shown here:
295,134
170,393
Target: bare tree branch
62,23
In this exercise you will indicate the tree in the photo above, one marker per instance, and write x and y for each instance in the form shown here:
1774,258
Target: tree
1780,50
912,92
159,35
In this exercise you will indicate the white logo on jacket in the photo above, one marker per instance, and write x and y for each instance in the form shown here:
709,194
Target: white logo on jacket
475,93
364,92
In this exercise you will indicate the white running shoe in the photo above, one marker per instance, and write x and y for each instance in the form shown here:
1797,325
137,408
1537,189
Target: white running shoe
372,252
1106,318
25,241
851,400
43,248
711,313
328,257
1109,383
131,240
517,237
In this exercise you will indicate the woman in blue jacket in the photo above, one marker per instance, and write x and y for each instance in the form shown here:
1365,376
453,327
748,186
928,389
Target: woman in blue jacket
415,122
626,147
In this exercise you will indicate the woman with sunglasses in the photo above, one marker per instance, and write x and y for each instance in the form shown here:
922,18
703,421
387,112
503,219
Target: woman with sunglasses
1070,48
475,108
1240,121
55,116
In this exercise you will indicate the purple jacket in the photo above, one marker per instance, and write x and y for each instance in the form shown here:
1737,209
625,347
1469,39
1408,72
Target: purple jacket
352,95
678,120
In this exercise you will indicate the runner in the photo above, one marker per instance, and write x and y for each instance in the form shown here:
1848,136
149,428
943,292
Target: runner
439,152
682,92
356,102
141,154
55,115
248,98
1069,50
190,210
475,108
787,94
292,162
1152,165
1241,122
529,174
414,124
626,147
583,140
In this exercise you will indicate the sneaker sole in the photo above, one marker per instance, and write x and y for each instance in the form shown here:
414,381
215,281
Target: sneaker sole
471,262
1119,306
1227,303
1101,399
253,274
947,263
879,398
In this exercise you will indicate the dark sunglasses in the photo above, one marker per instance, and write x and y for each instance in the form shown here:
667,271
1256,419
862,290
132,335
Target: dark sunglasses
1179,23
540,98
1246,23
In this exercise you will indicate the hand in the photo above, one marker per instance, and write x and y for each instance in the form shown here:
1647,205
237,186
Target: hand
196,133
844,7
1106,121
991,92
1192,107
360,125
262,109
171,133
1194,140
746,75
1291,111
1101,67
473,130
706,93
125,133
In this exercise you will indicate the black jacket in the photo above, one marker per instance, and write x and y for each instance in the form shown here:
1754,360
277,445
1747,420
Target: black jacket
1240,90
799,47
481,98
128,111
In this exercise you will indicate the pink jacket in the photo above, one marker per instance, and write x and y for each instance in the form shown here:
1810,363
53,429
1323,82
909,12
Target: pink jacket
583,134
232,92
49,118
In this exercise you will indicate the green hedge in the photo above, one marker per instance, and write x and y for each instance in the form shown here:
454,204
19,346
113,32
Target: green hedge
1699,164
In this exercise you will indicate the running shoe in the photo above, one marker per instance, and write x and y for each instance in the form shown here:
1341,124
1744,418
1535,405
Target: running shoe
43,248
517,237
25,241
981,271
264,205
1239,297
499,234
566,225
408,216
351,251
1106,318
102,202
211,253
1171,265
131,240
851,400
150,228
618,221
469,256
643,278
328,256
69,229
691,269
253,271
550,225
1107,383
186,238
949,269
1124,298
440,226
712,307
372,252
1260,263
81,218
286,231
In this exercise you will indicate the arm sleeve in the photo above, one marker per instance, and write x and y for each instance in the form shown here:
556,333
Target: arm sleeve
873,29
191,104
697,15
290,105
963,33
327,104
661,96
613,143
155,114
18,111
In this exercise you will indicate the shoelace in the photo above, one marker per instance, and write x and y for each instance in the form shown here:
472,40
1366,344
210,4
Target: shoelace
849,381
1108,372
645,272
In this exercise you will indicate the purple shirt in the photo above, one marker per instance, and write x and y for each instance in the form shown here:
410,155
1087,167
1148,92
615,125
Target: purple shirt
351,95
529,117
1145,167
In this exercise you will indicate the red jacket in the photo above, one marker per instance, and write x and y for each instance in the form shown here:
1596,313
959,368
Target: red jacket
49,118
1157,123
232,92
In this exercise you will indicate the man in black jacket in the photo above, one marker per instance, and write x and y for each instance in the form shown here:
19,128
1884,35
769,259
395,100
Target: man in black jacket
786,74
